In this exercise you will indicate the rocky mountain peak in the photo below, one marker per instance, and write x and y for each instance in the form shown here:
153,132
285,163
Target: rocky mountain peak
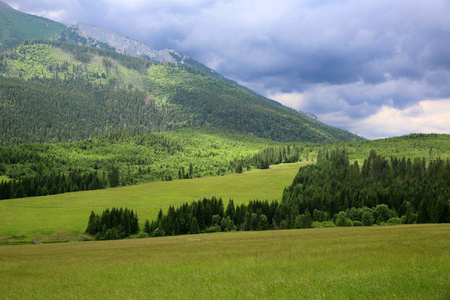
127,45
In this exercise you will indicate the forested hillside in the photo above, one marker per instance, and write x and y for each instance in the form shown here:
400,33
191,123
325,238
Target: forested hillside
122,158
17,27
52,91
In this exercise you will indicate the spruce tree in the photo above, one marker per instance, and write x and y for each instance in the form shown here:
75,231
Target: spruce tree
92,227
194,226
114,177
134,223
147,227
230,209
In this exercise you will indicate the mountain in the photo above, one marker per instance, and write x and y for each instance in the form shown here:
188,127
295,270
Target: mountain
94,36
52,83
124,45
53,91
17,27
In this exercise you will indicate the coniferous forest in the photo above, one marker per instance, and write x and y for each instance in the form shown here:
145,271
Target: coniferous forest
113,224
331,192
411,189
53,91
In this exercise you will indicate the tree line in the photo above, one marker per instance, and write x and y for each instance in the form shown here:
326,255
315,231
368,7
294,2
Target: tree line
123,158
409,187
209,215
332,192
53,183
113,224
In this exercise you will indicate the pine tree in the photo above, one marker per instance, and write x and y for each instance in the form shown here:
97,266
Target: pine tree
231,211
92,227
194,226
134,223
114,177
147,227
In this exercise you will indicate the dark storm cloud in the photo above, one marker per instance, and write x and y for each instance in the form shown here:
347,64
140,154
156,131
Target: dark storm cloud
343,58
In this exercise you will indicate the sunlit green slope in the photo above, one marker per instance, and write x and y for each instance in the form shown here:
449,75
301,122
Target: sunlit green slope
53,91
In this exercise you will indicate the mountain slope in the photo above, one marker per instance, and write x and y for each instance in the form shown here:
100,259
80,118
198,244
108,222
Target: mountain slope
15,33
89,35
16,27
54,91
125,45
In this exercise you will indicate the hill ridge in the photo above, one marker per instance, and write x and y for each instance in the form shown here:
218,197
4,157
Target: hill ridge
94,36
124,45
111,91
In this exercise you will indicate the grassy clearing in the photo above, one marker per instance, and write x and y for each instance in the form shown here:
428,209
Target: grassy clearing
50,217
405,262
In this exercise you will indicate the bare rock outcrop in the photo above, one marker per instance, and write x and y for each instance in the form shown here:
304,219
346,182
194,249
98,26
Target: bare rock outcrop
126,45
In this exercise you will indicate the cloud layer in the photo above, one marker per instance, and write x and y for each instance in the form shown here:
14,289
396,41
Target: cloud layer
352,63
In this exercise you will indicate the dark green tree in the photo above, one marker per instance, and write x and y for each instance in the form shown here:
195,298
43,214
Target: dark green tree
230,211
263,223
194,226
93,224
113,177
367,218
147,227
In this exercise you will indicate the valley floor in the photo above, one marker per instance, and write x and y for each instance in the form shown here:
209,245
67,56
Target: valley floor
64,216
380,262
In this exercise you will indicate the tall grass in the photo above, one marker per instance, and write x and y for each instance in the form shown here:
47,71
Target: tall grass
394,262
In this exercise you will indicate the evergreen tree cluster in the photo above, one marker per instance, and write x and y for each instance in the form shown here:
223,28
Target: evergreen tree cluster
276,155
113,224
272,156
408,187
332,192
51,183
209,215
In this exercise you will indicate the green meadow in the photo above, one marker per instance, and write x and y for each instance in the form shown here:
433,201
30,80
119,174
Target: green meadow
64,216
380,262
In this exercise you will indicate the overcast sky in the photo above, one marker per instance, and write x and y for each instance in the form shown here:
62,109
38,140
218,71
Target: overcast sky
376,68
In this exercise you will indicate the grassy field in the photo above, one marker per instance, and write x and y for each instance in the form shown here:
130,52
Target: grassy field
388,262
58,217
